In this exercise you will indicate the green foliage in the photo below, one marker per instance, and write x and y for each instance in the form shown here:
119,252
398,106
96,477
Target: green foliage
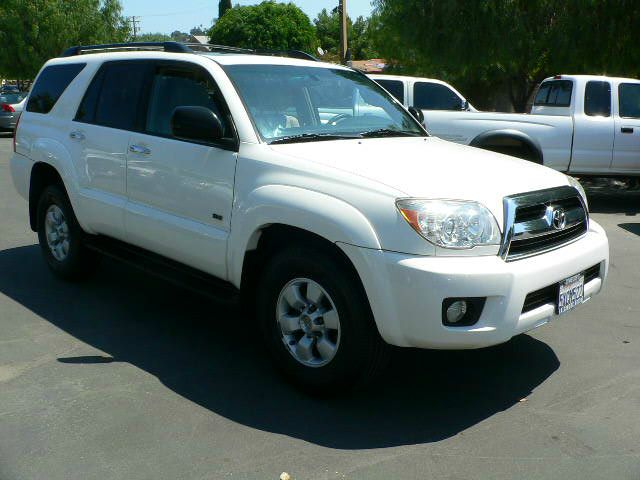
153,37
32,31
483,45
178,36
360,41
223,6
268,25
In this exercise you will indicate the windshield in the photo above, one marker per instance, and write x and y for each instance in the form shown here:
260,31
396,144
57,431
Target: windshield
293,103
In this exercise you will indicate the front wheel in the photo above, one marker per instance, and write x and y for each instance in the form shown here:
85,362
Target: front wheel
317,323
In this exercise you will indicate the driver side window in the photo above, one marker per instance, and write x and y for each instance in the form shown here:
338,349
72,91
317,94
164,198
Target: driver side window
182,85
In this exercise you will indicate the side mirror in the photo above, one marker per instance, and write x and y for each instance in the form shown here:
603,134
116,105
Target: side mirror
464,105
417,114
196,123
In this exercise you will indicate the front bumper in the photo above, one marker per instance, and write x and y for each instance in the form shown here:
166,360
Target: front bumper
406,291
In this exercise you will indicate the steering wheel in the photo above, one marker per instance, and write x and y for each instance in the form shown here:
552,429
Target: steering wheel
341,117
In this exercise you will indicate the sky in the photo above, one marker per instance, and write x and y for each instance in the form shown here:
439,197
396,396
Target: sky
165,16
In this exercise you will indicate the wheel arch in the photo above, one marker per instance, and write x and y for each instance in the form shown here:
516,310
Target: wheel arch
506,140
42,175
297,209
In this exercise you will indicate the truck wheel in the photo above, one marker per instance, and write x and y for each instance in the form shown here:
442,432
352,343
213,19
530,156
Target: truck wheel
317,322
61,238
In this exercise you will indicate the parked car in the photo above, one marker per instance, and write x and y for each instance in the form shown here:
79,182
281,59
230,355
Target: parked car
9,89
579,124
11,105
343,231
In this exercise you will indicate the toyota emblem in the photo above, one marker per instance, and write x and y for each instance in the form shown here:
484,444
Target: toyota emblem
559,218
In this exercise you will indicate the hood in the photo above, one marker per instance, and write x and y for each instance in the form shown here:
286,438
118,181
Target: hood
431,168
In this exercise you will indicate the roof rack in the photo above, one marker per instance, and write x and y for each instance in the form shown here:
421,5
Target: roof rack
178,47
174,47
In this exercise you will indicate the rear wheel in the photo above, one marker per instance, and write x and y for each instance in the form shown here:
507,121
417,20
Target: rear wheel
61,237
317,323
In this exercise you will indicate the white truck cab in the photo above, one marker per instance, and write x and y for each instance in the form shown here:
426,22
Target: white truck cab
579,124
307,191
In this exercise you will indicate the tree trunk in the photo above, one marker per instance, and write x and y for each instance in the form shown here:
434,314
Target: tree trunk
520,90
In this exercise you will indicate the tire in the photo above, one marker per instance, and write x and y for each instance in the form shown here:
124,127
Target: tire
336,292
61,238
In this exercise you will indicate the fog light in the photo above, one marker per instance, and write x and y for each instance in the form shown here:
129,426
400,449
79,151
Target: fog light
456,311
462,312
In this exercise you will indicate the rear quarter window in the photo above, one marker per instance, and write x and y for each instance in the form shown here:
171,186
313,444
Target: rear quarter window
51,83
597,99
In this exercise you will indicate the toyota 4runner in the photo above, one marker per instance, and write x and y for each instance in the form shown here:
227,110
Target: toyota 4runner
305,189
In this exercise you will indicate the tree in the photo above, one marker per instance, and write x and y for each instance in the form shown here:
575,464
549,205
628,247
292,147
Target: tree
328,33
223,6
178,36
269,25
32,32
484,45
197,31
153,37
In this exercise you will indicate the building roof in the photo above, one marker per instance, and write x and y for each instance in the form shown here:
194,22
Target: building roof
373,65
204,39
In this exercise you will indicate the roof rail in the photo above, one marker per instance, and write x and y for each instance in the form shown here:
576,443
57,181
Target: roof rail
174,47
178,47
285,53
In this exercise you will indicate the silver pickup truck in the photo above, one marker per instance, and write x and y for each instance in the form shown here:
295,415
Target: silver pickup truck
580,124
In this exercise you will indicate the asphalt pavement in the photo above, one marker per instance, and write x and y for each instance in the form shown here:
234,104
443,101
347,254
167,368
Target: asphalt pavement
128,377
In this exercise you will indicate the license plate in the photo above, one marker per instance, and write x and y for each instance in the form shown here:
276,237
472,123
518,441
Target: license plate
571,293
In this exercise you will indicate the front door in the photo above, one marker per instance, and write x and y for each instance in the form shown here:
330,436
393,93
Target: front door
180,193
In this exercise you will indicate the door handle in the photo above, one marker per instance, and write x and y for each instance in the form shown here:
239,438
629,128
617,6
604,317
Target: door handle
139,150
76,135
626,130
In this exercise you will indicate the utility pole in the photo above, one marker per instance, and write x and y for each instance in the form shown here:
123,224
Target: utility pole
344,48
135,25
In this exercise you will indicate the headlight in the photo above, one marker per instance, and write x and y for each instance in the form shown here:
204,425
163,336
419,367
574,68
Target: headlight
451,223
576,184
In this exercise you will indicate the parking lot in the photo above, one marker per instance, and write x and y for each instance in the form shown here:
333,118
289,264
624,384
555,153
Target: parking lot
127,376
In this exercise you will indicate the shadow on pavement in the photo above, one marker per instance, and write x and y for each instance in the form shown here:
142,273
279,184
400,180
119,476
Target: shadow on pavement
208,353
612,201
631,227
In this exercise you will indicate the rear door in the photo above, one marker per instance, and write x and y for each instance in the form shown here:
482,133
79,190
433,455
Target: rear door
180,192
99,137
626,151
593,129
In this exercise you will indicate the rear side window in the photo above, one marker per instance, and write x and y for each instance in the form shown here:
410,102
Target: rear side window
114,95
434,96
597,99
51,83
556,93
394,87
629,94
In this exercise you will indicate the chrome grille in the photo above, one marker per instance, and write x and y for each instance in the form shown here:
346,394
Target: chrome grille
540,221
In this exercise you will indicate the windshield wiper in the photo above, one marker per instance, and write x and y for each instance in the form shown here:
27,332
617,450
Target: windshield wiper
388,132
311,137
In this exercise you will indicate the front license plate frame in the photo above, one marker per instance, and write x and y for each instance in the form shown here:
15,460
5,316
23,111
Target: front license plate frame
570,293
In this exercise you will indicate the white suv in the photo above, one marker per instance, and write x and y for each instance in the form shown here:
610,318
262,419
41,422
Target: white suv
306,189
